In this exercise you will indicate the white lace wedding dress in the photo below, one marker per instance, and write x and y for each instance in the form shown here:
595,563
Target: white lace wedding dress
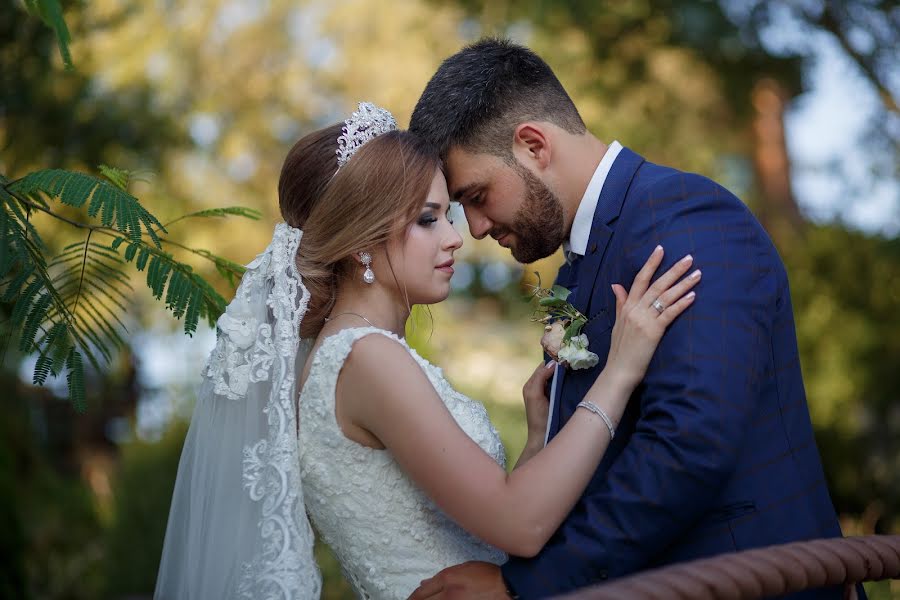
387,535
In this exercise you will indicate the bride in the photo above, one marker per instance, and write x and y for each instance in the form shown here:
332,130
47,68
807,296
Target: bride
313,402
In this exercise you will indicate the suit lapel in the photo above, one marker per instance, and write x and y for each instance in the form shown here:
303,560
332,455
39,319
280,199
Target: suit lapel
609,206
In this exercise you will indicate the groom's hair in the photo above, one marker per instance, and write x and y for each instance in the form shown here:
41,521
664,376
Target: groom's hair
479,95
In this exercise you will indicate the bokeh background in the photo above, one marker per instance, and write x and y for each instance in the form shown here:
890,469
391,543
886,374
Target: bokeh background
792,105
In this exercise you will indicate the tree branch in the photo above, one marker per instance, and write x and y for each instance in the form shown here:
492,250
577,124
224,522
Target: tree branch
829,22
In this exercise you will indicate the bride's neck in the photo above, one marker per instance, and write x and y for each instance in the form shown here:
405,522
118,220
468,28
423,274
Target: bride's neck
382,309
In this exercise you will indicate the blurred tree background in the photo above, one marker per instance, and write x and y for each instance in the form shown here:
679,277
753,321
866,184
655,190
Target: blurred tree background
208,96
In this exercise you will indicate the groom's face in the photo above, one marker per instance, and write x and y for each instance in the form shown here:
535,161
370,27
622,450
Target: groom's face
507,202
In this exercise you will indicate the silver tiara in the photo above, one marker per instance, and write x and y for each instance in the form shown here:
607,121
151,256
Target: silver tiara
368,122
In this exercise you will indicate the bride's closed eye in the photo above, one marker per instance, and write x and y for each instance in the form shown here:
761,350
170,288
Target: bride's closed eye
428,220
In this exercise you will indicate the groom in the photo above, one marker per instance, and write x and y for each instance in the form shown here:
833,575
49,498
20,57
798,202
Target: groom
716,450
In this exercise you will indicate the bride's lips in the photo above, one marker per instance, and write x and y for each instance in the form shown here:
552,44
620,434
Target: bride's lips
446,267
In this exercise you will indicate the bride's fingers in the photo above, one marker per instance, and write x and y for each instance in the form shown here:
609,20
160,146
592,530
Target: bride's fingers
642,279
621,298
542,373
669,314
538,380
674,293
666,280
428,588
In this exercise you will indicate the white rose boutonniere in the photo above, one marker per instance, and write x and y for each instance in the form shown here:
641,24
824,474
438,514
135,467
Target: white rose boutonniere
563,339
576,354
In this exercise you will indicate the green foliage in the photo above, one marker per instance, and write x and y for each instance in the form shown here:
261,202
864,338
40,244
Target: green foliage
116,207
239,211
70,307
553,306
50,546
144,485
50,12
846,290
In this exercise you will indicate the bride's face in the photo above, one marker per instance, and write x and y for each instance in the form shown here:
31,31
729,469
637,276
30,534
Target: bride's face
423,259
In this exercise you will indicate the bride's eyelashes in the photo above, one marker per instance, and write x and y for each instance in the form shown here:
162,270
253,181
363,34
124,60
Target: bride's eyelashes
428,219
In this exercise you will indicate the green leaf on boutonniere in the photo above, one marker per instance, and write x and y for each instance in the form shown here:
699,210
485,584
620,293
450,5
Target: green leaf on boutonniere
551,301
560,292
573,329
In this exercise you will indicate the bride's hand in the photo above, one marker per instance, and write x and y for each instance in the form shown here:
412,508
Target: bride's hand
639,323
537,405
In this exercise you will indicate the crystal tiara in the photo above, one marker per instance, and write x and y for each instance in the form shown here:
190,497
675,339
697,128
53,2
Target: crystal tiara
368,122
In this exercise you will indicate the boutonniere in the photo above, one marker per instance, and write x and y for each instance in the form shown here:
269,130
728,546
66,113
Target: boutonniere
563,322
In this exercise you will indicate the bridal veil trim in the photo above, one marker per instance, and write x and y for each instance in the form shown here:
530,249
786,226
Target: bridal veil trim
237,524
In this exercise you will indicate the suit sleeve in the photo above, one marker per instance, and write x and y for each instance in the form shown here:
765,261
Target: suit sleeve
695,400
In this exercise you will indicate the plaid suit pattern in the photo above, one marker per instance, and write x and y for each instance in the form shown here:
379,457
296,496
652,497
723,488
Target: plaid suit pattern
716,451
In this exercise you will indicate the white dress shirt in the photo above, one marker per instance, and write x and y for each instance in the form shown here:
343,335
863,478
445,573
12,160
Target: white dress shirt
581,233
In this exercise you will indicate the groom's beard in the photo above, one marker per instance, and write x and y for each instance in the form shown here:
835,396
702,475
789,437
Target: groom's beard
539,224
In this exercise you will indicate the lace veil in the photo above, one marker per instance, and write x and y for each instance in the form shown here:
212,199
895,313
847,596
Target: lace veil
237,523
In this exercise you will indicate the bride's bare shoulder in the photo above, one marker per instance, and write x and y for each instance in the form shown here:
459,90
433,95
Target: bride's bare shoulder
378,355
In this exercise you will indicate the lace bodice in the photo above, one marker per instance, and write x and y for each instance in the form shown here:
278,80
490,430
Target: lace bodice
387,534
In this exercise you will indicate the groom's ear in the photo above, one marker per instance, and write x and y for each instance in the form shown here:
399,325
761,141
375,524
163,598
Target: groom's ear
531,145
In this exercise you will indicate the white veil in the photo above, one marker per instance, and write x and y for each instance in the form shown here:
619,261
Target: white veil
237,525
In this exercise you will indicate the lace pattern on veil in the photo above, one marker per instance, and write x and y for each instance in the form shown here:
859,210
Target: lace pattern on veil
238,526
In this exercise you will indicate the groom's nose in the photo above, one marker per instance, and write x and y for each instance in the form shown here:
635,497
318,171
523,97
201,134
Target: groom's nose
479,224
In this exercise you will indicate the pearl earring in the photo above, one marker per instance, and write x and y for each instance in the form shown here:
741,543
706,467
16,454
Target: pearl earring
368,275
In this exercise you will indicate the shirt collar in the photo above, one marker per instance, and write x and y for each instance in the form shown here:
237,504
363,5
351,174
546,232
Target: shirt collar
584,216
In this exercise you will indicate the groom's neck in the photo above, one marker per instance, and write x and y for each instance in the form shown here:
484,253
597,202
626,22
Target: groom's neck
577,158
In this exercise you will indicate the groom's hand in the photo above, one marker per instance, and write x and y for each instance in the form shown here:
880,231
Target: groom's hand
475,580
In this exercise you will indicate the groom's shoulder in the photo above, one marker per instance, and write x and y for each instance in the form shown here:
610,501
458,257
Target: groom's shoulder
658,184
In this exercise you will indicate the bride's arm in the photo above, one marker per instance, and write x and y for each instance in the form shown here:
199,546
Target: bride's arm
383,390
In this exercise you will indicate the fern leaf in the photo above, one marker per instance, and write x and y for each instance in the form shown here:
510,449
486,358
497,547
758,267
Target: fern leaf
41,369
142,259
187,294
7,254
55,346
119,177
131,251
20,226
91,341
24,301
195,304
107,253
75,378
110,332
102,270
33,320
14,287
49,348
99,296
50,12
103,295
235,211
115,206
68,253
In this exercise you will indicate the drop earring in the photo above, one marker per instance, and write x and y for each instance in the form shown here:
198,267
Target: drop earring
366,259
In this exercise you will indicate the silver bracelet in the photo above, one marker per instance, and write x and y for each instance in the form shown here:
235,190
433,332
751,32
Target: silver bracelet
601,413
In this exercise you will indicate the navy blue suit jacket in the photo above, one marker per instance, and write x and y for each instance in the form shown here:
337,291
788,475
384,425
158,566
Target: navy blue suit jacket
715,452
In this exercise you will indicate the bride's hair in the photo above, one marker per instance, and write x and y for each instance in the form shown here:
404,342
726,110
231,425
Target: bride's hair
375,196
307,169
